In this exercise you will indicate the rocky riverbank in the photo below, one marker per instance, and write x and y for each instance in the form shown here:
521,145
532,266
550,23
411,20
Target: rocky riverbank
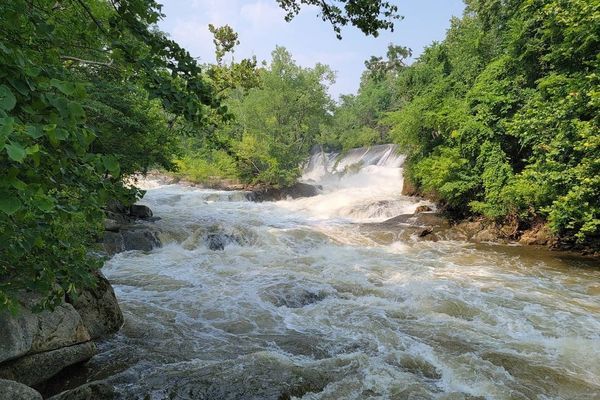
34,347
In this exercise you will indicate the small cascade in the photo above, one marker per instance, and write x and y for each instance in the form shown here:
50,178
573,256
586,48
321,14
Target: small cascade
360,185
322,165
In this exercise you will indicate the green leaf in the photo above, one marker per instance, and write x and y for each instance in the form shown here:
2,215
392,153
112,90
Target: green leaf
7,98
67,88
9,204
15,151
111,164
33,149
6,126
44,203
76,110
18,184
61,134
19,85
34,132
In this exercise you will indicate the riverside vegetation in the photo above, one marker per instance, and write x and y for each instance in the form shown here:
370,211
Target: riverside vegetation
500,119
498,122
90,93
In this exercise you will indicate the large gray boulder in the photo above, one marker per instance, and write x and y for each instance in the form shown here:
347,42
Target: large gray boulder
29,332
295,191
113,243
99,308
34,369
90,391
11,390
140,239
139,211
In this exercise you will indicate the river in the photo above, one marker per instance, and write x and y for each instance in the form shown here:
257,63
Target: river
300,303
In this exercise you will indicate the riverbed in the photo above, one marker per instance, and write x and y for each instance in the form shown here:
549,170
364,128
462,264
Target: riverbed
295,302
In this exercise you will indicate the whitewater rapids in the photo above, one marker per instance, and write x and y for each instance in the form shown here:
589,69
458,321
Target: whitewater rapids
300,304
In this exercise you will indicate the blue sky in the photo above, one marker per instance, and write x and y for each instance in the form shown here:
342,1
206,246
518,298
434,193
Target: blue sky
261,26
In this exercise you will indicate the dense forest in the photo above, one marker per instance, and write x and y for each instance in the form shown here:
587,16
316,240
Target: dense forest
500,119
92,92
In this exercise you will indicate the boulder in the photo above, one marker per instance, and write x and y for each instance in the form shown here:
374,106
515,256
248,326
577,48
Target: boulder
116,206
34,333
422,208
113,243
140,239
34,369
139,211
11,390
119,218
99,309
218,240
111,225
540,235
405,227
90,391
295,191
487,234
409,188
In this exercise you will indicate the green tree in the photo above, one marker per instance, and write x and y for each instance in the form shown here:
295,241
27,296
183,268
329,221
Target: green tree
501,118
83,85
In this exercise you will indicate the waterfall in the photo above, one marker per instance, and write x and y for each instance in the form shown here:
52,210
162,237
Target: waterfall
361,185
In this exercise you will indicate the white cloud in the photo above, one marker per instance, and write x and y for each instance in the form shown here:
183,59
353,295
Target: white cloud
263,15
194,36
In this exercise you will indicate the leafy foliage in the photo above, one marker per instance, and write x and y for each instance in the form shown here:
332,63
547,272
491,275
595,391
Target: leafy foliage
370,16
501,118
87,92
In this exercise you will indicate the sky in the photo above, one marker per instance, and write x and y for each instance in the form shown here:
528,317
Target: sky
261,26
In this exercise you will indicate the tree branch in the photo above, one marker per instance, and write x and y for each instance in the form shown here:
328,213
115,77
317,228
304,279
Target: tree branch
91,62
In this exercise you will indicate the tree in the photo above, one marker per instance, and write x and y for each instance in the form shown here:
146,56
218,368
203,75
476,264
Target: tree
83,85
501,118
370,16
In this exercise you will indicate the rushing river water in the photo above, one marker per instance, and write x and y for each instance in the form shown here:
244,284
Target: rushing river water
301,304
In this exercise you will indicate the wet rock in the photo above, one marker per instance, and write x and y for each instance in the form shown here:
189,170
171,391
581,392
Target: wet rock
418,220
36,368
539,235
99,309
139,211
487,234
11,390
218,241
34,333
115,206
258,376
119,218
140,239
425,231
422,208
409,188
290,296
298,190
90,391
113,243
111,225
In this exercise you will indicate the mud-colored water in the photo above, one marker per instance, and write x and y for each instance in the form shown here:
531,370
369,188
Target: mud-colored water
300,304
